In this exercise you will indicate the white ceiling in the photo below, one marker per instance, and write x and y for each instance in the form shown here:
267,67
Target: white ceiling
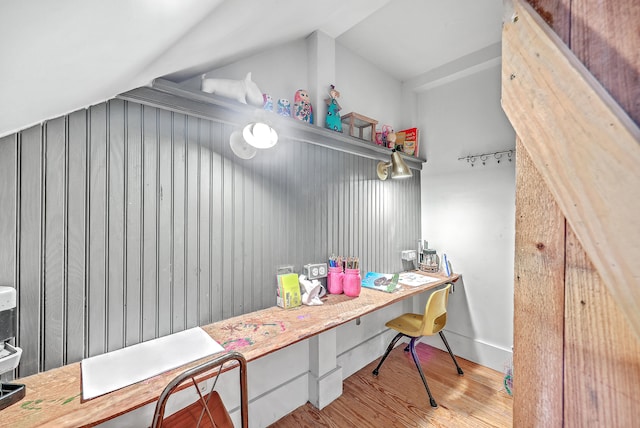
411,37
59,56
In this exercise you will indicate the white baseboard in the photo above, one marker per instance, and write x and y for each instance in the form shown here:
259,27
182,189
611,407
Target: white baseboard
268,408
359,356
474,350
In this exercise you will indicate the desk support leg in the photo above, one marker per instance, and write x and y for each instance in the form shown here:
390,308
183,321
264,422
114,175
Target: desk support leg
325,376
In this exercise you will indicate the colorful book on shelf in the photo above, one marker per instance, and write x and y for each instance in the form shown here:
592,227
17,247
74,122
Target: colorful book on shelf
407,139
381,281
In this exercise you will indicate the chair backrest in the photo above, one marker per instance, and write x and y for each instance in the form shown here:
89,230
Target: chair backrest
435,313
216,413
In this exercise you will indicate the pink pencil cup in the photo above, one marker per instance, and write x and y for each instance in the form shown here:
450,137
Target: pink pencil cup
335,280
352,284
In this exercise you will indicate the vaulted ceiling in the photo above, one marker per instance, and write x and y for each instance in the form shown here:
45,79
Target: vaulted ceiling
59,56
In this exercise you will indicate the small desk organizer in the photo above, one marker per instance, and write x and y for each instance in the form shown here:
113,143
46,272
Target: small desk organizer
355,120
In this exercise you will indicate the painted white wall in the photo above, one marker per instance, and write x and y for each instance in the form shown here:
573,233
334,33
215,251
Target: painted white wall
466,211
367,90
283,70
280,71
469,212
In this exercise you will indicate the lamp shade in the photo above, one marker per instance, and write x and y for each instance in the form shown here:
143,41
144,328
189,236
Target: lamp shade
398,167
240,147
260,135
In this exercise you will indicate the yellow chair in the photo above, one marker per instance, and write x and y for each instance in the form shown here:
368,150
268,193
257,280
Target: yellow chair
414,326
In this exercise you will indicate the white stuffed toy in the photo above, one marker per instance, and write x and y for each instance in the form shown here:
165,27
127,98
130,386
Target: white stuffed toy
313,290
244,91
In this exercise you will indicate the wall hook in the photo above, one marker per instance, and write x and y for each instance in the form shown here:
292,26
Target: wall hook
484,157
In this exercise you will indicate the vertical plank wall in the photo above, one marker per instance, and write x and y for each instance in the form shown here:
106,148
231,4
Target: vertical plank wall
599,343
123,222
538,299
593,378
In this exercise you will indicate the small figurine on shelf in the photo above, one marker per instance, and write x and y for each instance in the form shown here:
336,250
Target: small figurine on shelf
284,107
379,141
391,141
386,130
333,111
268,102
302,109
312,291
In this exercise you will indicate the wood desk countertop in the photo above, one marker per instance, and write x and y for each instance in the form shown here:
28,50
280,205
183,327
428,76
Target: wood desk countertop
54,398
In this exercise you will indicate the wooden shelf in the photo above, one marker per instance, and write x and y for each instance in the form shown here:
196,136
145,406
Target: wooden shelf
171,96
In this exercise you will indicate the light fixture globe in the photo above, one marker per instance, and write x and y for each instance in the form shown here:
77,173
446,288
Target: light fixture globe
260,135
240,147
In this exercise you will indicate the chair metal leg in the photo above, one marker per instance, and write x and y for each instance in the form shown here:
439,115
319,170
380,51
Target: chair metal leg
460,372
417,361
389,348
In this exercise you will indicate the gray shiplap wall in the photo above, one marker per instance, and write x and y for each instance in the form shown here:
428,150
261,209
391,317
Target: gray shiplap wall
122,223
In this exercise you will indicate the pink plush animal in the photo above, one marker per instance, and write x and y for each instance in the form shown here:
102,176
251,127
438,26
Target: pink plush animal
244,91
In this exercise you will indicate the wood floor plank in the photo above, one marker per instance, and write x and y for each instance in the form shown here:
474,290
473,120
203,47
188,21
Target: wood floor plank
397,398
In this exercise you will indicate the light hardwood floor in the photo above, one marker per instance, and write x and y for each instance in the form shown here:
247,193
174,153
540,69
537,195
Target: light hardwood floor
397,398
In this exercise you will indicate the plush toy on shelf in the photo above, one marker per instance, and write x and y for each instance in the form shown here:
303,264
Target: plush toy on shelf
302,109
333,111
244,91
386,130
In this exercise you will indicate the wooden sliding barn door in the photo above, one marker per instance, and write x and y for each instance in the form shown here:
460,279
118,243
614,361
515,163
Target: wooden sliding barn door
576,341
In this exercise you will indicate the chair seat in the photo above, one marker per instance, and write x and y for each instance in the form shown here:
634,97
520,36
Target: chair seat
191,415
407,324
209,410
